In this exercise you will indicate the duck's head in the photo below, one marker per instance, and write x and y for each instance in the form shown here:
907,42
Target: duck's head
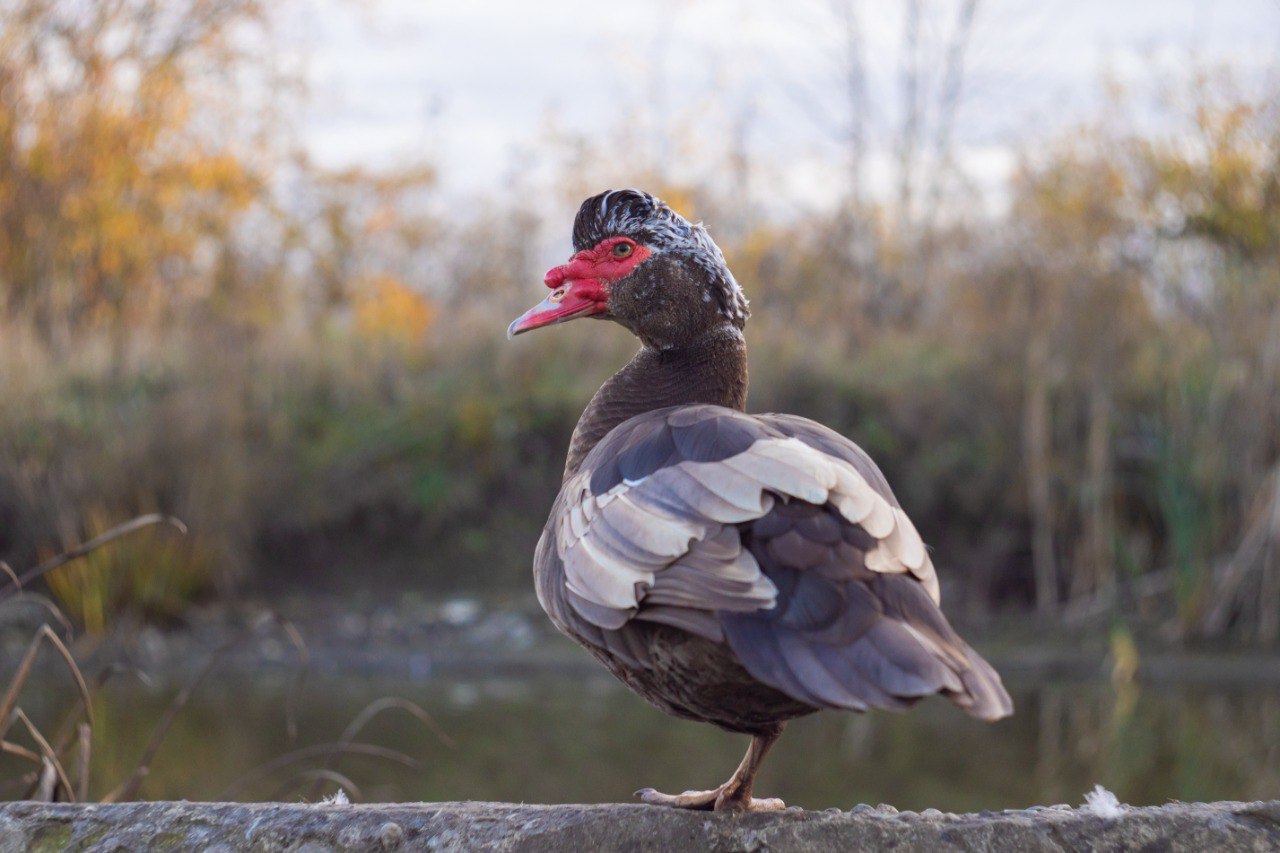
644,266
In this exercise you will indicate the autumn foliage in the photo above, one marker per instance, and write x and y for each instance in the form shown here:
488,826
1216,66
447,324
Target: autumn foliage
1076,395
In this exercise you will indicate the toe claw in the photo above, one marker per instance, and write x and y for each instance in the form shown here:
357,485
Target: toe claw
699,800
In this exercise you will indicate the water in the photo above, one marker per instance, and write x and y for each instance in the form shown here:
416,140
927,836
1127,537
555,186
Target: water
586,739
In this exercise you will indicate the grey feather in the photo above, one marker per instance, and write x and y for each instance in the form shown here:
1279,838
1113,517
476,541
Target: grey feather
702,623
737,529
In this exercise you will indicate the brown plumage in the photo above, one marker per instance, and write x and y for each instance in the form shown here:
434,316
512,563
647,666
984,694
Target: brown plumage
736,569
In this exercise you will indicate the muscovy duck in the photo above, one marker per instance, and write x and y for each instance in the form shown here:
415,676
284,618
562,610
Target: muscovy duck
740,570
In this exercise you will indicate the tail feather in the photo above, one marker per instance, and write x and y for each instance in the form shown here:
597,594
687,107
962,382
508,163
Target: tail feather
908,652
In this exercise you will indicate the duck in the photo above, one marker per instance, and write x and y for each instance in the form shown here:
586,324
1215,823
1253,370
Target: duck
736,569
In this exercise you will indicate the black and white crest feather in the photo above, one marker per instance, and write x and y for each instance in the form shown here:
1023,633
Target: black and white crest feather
648,220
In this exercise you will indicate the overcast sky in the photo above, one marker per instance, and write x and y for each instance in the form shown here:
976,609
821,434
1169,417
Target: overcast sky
473,85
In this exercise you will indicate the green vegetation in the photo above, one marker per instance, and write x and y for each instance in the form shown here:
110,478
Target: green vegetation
1078,397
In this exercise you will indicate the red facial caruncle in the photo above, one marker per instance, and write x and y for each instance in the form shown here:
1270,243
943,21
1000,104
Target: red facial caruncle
580,288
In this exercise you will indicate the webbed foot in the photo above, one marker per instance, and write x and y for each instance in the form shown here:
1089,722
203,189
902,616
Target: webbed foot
718,799
732,796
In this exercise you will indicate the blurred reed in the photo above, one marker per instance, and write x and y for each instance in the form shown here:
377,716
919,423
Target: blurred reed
1077,395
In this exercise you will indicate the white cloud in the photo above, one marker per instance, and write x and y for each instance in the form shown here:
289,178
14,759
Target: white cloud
465,84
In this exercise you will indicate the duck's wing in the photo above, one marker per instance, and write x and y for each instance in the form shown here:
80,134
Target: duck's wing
770,533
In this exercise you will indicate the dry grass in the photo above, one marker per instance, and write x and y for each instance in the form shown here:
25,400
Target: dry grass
62,761
1076,399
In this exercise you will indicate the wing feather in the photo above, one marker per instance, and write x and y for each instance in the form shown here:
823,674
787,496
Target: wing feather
613,541
658,535
596,574
735,489
769,534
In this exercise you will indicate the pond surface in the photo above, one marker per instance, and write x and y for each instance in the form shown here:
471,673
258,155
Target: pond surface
558,738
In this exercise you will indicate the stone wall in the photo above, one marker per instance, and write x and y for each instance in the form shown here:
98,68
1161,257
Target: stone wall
502,826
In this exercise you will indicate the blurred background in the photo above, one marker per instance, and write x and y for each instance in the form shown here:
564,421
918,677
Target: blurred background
256,264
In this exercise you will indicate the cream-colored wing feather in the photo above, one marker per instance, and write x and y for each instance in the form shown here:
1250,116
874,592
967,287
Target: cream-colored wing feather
671,539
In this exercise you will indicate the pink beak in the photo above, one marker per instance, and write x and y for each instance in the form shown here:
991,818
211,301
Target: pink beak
569,299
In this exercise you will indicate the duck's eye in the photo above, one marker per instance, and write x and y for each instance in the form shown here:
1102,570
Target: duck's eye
622,250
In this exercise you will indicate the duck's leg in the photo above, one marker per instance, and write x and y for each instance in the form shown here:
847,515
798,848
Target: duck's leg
732,796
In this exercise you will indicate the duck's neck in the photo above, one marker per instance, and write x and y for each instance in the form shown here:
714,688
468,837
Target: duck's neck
713,369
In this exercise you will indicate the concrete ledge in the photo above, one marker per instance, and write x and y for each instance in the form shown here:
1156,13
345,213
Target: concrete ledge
503,826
